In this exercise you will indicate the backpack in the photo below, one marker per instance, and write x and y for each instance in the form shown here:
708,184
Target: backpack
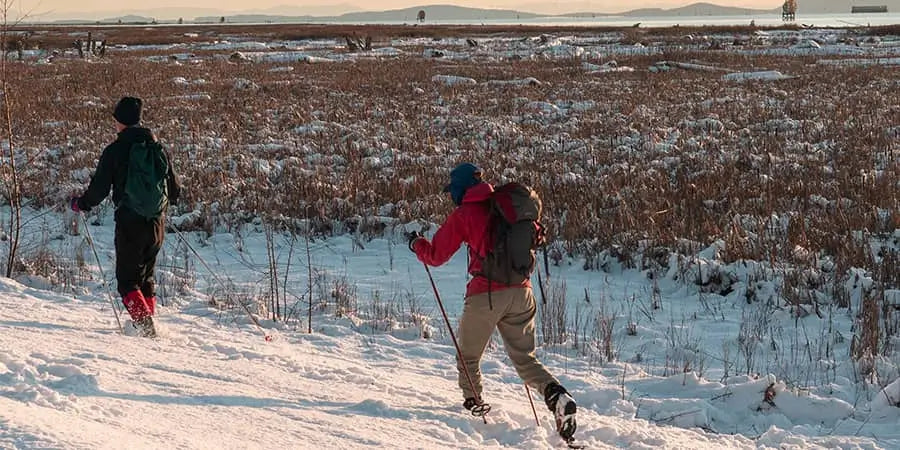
515,233
146,192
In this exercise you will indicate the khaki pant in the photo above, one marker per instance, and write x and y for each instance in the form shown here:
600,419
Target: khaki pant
513,315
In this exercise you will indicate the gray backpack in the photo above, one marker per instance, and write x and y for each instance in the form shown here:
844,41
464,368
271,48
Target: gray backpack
515,233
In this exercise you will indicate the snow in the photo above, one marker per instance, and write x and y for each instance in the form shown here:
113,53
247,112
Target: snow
788,43
608,67
530,81
665,66
707,125
766,75
279,57
860,62
453,80
245,84
314,127
69,380
542,107
191,97
387,51
562,51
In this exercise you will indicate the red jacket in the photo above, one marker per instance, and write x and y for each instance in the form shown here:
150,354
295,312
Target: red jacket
468,223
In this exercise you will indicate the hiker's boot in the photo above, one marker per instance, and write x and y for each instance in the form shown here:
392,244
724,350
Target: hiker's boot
562,405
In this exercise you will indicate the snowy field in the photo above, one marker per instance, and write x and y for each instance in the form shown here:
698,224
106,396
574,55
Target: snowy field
68,380
726,252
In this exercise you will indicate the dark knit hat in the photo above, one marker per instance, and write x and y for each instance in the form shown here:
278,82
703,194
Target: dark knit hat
128,111
462,178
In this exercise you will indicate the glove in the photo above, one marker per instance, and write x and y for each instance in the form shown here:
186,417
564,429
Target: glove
73,204
412,237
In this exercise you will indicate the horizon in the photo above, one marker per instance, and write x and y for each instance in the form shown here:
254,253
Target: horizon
97,9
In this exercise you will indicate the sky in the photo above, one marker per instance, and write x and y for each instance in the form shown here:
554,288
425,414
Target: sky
60,6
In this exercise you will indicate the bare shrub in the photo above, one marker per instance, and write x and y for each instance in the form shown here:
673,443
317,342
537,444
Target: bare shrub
683,353
864,347
345,297
554,314
603,334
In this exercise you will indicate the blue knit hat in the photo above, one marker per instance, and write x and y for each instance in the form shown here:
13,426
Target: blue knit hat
462,178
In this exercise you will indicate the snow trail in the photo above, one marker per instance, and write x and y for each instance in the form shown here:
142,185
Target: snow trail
67,380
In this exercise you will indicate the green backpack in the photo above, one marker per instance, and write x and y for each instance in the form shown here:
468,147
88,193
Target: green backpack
145,190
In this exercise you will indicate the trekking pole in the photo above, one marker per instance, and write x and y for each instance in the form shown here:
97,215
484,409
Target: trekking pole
541,287
546,263
112,302
266,335
459,354
531,400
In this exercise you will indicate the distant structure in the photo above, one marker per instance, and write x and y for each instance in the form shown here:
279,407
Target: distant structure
421,16
868,9
789,10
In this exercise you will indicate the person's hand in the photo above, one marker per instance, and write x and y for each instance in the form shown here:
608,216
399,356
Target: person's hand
412,237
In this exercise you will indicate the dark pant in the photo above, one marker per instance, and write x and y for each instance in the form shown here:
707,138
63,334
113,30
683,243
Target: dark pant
138,241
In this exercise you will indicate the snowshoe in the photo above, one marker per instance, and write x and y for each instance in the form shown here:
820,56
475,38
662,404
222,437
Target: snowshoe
145,327
478,409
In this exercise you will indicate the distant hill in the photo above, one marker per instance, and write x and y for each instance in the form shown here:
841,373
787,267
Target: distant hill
432,13
259,18
128,19
189,12
438,12
306,10
697,9
285,14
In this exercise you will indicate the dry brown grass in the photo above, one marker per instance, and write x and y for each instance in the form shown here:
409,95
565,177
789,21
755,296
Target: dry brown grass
882,30
779,147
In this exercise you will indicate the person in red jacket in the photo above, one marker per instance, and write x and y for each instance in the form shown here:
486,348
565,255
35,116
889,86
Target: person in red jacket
489,305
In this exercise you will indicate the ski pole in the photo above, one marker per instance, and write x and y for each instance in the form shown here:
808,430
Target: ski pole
266,335
462,361
87,232
531,400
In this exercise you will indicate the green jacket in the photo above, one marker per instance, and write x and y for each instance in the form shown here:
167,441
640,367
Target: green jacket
113,167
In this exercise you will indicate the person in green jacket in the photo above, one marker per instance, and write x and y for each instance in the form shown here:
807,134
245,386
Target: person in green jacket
139,235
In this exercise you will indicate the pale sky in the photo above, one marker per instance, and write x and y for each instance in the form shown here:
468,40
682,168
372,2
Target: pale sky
59,6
